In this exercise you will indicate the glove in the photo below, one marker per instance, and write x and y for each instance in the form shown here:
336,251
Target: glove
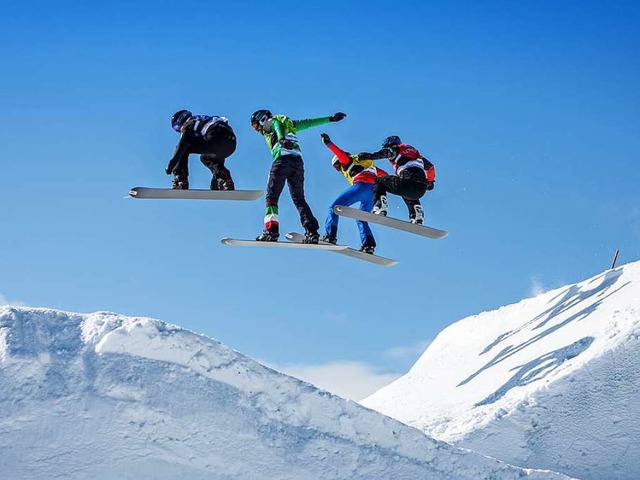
169,169
430,184
336,117
288,144
325,138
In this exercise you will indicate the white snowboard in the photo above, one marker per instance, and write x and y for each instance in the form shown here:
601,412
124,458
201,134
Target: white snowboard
389,222
156,193
351,252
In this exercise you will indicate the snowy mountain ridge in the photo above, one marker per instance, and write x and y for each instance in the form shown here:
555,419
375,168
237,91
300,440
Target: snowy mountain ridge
113,397
549,382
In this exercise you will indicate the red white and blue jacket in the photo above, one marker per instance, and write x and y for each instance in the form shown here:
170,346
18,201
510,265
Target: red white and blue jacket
402,157
355,169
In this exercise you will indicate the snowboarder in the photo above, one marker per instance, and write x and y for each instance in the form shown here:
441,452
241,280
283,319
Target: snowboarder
209,136
414,175
361,174
280,134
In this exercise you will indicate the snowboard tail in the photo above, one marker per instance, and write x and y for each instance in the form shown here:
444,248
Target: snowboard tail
168,193
351,252
390,222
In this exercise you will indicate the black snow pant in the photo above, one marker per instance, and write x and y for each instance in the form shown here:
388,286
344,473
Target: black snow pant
289,169
217,145
411,185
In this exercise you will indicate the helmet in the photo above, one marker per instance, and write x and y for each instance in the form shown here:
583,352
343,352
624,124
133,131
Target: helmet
179,119
391,141
259,118
335,163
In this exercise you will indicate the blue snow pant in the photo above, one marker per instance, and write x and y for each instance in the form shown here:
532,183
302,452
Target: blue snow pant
358,192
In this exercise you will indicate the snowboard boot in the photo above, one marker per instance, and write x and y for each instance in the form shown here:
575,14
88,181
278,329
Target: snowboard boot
369,245
220,184
331,236
417,215
381,206
329,239
268,236
311,236
368,249
179,184
227,185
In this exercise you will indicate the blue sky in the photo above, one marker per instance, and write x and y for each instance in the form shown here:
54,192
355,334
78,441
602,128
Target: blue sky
529,112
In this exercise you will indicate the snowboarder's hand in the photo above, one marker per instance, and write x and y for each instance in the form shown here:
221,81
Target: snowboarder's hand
288,144
325,138
168,170
336,117
430,184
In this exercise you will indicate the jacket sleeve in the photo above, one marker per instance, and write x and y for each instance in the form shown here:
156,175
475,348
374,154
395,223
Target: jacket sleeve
309,123
343,156
380,172
182,149
380,154
276,126
430,170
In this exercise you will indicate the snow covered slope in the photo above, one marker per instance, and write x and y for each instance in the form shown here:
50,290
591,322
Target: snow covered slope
104,396
551,382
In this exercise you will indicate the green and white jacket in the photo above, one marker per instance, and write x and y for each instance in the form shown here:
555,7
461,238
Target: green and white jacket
282,127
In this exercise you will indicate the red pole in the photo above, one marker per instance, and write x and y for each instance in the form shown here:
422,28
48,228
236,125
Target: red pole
615,258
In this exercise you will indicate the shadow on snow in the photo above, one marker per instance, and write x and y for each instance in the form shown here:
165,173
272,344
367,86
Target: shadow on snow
562,303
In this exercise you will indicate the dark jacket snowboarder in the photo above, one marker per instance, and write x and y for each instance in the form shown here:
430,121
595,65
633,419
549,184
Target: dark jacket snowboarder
210,136
414,175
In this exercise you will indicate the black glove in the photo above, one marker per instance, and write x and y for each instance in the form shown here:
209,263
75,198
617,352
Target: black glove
169,169
325,138
336,117
288,144
430,184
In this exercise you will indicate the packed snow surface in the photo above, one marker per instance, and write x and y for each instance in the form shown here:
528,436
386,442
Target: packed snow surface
104,396
550,382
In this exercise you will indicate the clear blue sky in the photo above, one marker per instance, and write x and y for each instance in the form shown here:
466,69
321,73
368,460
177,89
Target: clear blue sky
530,112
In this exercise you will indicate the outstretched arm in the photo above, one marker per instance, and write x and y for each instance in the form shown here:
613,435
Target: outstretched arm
380,154
180,152
343,157
314,122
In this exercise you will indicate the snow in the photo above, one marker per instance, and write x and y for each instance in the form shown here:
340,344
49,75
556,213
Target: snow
550,382
105,396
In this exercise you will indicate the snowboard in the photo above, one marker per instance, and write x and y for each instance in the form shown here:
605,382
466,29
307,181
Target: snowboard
255,243
351,252
155,193
389,222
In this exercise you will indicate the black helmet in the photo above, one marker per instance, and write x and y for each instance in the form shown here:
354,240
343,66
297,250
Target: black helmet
179,118
259,118
391,141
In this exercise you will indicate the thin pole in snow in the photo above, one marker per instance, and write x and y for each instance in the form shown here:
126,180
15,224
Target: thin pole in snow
615,258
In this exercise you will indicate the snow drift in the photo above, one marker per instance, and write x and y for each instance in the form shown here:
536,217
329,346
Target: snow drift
104,396
550,382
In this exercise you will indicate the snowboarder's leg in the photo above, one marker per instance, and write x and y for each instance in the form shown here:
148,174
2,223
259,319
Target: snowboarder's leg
346,198
221,179
275,184
180,170
383,185
416,212
295,180
366,205
412,187
220,143
181,177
